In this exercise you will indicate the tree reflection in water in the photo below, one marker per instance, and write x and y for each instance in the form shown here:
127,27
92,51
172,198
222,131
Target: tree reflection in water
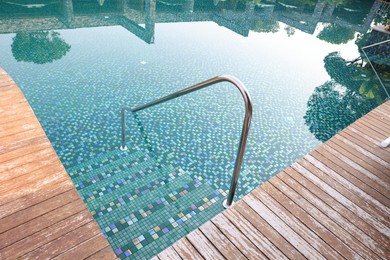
39,47
352,92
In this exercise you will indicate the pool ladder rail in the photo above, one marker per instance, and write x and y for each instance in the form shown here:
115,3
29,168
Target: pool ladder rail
245,127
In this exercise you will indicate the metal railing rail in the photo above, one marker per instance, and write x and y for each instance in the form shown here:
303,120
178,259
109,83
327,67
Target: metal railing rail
245,127
372,66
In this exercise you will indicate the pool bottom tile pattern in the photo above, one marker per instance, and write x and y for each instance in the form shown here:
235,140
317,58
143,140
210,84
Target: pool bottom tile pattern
142,205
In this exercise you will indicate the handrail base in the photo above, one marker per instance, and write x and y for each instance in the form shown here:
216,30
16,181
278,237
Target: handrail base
225,205
124,148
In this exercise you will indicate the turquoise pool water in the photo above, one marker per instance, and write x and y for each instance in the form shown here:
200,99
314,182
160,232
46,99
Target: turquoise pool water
79,62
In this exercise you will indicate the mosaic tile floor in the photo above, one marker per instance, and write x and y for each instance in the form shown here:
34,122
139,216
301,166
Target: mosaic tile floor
136,200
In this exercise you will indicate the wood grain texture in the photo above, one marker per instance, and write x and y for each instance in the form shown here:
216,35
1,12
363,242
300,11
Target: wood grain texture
41,213
186,251
333,203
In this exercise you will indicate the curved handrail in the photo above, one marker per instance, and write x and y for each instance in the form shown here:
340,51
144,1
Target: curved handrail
245,127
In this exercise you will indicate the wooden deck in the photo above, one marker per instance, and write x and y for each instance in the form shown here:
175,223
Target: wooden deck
333,203
41,213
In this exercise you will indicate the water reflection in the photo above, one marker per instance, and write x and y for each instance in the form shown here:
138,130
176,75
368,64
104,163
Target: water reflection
356,87
345,98
39,47
336,17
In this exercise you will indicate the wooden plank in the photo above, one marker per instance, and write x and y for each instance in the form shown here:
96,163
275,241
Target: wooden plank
382,160
220,241
16,202
28,119
336,146
6,82
17,118
84,249
278,224
346,189
350,247
9,91
32,148
359,180
19,105
363,130
26,168
62,244
250,231
44,236
342,200
169,254
373,125
381,113
19,132
337,175
369,129
203,245
24,159
359,238
338,212
32,187
186,251
378,177
370,140
21,143
237,238
267,230
306,233
43,174
291,208
372,148
9,100
105,254
379,123
37,210
32,226
21,136
375,112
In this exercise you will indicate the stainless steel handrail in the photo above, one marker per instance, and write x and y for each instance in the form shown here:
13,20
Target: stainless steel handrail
372,66
245,127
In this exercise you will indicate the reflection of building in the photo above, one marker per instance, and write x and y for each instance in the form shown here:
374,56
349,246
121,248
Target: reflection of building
240,16
306,18
68,14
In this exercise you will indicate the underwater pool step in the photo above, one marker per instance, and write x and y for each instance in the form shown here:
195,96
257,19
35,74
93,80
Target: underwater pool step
140,208
135,191
102,161
114,172
132,187
171,225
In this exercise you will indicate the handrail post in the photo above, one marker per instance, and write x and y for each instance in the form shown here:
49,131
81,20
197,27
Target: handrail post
123,121
240,156
245,127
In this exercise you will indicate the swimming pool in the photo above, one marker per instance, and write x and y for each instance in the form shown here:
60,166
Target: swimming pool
100,56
